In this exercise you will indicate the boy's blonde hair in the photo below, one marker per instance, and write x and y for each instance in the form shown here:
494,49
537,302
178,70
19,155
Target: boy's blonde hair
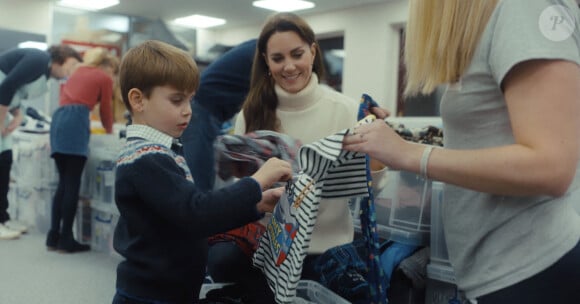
154,63
441,37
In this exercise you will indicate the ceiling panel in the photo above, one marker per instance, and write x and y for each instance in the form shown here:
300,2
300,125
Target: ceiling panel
236,12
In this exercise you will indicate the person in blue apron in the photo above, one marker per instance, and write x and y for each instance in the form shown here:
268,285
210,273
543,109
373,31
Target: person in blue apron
90,84
24,74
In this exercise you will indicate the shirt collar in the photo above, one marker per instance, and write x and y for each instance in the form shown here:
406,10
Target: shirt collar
150,134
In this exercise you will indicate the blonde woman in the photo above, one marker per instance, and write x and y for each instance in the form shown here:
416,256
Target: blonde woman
511,117
90,84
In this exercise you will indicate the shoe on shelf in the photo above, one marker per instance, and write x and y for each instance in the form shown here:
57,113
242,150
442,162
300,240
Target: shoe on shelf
52,240
70,245
16,226
8,234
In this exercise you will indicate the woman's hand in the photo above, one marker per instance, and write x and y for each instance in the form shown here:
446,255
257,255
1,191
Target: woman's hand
380,113
380,142
14,123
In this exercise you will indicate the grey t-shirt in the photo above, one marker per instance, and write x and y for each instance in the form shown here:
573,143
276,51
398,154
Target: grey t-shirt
496,241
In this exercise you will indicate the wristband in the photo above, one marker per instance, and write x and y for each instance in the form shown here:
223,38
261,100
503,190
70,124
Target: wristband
424,161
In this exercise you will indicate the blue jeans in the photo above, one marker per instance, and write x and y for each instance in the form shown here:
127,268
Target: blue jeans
198,149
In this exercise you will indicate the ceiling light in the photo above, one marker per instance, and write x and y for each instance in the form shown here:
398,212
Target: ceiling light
32,44
90,5
199,21
283,5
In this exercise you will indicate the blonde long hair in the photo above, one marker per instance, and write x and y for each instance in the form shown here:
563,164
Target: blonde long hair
441,37
101,57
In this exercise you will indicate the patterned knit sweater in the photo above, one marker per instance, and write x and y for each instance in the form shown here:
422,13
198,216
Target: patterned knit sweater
164,220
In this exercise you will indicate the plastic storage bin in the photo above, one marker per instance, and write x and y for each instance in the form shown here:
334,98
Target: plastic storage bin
32,165
43,208
13,199
105,181
98,178
314,292
306,292
439,254
83,222
102,231
403,208
31,206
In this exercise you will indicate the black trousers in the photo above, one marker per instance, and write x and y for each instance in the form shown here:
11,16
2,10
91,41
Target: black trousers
66,197
5,166
560,284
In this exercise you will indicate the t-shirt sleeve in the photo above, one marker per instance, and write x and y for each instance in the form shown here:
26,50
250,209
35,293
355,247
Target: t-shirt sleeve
532,29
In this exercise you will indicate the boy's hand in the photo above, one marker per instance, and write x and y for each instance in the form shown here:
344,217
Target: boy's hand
272,171
269,200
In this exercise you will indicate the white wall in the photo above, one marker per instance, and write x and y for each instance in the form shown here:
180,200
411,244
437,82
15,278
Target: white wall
33,16
371,40
371,43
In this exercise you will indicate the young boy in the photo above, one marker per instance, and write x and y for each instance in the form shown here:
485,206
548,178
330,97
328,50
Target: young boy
164,219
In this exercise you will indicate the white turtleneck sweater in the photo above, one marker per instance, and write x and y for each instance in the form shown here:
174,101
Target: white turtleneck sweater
309,115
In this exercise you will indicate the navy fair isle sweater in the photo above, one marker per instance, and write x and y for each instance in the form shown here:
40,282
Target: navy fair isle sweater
164,220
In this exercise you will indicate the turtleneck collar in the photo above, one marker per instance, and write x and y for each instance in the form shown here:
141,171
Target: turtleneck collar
304,99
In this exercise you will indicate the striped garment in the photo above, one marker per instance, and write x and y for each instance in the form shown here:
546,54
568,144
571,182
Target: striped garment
327,171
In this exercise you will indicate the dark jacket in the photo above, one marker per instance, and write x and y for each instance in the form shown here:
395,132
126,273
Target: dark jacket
21,66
